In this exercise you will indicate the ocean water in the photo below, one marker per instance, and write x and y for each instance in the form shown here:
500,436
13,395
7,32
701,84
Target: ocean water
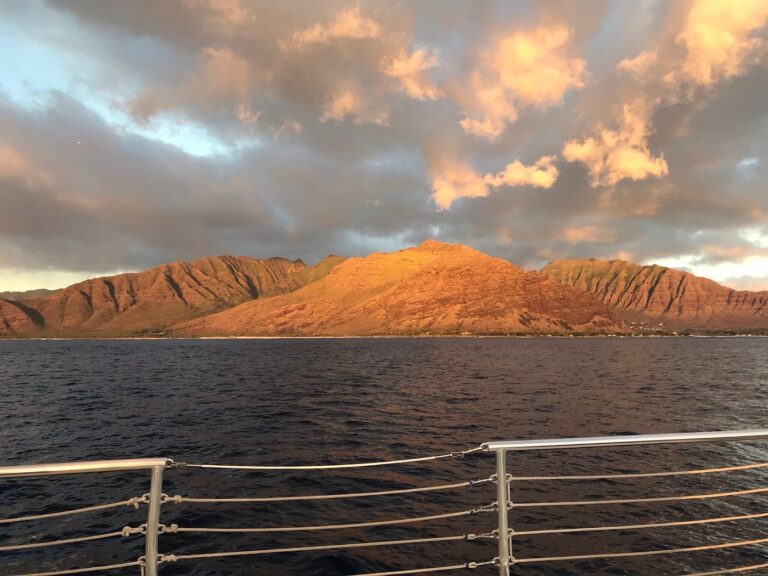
354,400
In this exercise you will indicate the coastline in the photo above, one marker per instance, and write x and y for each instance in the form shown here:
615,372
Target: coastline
392,337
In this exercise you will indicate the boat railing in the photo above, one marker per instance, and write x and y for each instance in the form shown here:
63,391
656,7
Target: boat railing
494,519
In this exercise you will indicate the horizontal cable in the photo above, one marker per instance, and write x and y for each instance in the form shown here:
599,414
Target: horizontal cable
126,531
638,500
465,566
457,455
180,499
640,526
643,553
175,528
84,570
176,557
131,502
731,570
640,474
60,542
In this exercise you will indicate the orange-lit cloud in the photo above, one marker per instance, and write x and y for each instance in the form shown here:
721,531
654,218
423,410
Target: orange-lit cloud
542,174
456,179
494,109
348,23
453,179
589,234
720,40
527,68
224,75
612,155
716,41
410,69
222,15
14,165
349,104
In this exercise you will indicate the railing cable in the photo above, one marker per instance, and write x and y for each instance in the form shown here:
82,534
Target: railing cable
517,533
179,557
465,566
638,500
640,474
454,455
725,545
468,484
173,528
126,531
85,570
731,570
132,502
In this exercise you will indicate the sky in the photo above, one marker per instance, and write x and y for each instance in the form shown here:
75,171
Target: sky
138,133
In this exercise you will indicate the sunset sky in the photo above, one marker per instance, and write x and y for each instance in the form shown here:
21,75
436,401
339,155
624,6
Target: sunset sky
138,133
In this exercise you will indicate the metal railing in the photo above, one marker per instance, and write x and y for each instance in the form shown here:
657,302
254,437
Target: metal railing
151,529
502,532
503,493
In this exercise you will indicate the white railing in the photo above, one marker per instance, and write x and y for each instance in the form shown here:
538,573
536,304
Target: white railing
502,531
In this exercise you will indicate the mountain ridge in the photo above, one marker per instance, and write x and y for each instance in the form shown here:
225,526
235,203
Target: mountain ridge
433,288
149,301
672,298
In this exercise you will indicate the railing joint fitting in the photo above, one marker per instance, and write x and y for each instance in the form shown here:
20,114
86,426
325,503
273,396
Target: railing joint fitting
130,530
167,529
177,499
162,558
137,501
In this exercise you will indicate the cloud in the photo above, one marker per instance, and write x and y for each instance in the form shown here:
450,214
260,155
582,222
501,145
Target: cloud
203,131
14,165
494,109
524,69
410,70
542,174
348,23
221,75
715,42
720,40
350,104
717,254
453,178
589,234
612,155
223,16
752,283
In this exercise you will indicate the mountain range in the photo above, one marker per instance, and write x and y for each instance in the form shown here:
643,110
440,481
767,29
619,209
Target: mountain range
431,289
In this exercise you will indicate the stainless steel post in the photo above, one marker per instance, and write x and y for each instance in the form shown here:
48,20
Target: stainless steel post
153,521
502,505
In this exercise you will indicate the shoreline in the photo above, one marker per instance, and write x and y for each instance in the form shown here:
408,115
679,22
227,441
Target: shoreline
388,337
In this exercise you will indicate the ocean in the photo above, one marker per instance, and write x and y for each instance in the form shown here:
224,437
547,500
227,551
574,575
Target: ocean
307,401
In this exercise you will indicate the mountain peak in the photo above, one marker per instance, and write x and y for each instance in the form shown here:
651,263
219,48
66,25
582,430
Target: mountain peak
432,245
